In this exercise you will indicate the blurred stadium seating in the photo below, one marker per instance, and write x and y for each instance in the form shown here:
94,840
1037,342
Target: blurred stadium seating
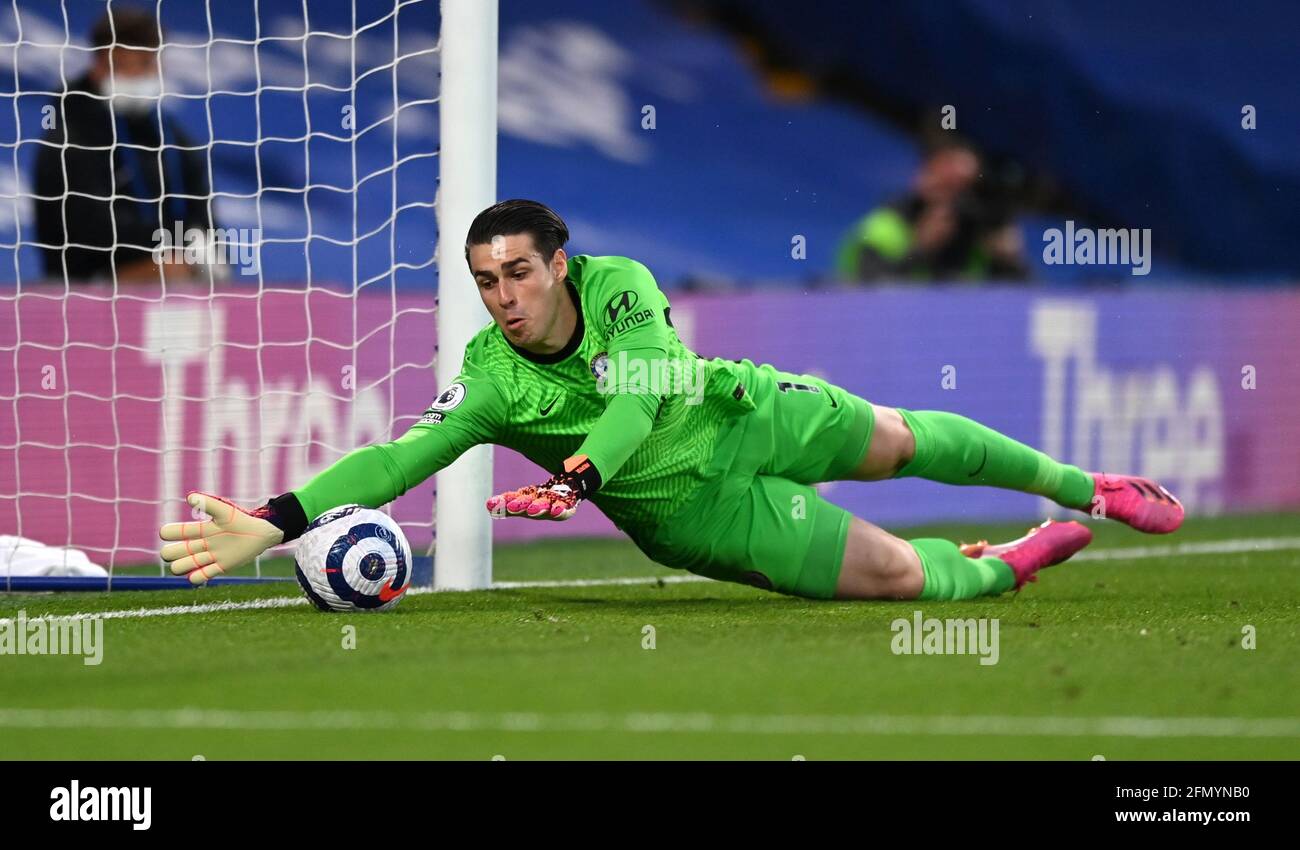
577,79
1135,108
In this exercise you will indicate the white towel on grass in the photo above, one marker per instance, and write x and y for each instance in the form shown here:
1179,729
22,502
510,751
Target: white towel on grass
22,556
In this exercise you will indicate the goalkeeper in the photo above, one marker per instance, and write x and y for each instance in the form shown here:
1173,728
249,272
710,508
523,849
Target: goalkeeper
707,465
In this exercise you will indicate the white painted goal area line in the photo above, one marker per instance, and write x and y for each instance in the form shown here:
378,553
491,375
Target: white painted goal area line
1209,547
651,722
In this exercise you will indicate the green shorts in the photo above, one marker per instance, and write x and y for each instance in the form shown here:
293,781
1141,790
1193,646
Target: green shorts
756,518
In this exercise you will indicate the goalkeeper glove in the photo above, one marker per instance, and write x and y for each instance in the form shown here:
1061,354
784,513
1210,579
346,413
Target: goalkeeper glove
231,538
556,500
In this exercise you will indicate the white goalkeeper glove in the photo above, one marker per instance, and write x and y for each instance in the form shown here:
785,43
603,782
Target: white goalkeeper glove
555,500
230,539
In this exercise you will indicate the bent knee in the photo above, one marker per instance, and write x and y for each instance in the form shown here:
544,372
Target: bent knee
878,565
892,445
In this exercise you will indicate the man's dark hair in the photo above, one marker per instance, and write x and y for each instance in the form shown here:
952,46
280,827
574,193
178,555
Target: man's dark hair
128,27
518,215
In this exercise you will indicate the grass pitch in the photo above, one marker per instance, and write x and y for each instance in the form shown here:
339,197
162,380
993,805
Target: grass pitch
1129,651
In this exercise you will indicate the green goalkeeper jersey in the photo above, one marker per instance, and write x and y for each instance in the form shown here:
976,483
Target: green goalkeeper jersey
624,391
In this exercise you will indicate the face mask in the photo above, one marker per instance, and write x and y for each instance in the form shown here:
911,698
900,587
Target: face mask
135,95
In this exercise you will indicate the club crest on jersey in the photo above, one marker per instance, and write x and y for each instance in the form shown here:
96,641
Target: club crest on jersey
600,365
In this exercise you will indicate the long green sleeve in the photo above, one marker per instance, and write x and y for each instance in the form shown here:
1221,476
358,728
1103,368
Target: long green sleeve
638,346
375,475
629,417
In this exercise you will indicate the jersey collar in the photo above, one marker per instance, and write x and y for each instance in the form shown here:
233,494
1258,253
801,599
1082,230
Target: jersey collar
570,346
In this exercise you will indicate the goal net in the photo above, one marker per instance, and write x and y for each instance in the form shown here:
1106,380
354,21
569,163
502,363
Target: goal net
219,223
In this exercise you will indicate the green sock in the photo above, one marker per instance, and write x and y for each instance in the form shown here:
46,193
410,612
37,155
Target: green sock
955,450
951,575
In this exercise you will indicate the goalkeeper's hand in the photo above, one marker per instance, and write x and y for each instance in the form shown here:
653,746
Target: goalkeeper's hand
556,500
230,539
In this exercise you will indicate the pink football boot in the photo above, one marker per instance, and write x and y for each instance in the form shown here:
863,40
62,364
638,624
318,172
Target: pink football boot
1138,502
1044,545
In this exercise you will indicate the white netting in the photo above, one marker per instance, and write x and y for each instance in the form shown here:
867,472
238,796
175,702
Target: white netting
299,141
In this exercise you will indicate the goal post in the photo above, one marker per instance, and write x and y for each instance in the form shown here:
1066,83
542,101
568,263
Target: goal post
466,185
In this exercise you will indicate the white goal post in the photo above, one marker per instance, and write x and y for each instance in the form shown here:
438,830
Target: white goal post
467,184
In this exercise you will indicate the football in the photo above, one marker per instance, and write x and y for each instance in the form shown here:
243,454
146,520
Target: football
353,558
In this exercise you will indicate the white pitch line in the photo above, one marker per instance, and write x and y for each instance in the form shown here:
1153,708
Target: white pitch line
1204,547
653,723
173,610
294,601
1209,547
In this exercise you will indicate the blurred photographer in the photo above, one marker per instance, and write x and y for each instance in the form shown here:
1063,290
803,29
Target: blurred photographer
955,224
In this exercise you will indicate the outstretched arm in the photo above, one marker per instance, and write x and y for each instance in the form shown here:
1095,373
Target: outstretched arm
465,414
